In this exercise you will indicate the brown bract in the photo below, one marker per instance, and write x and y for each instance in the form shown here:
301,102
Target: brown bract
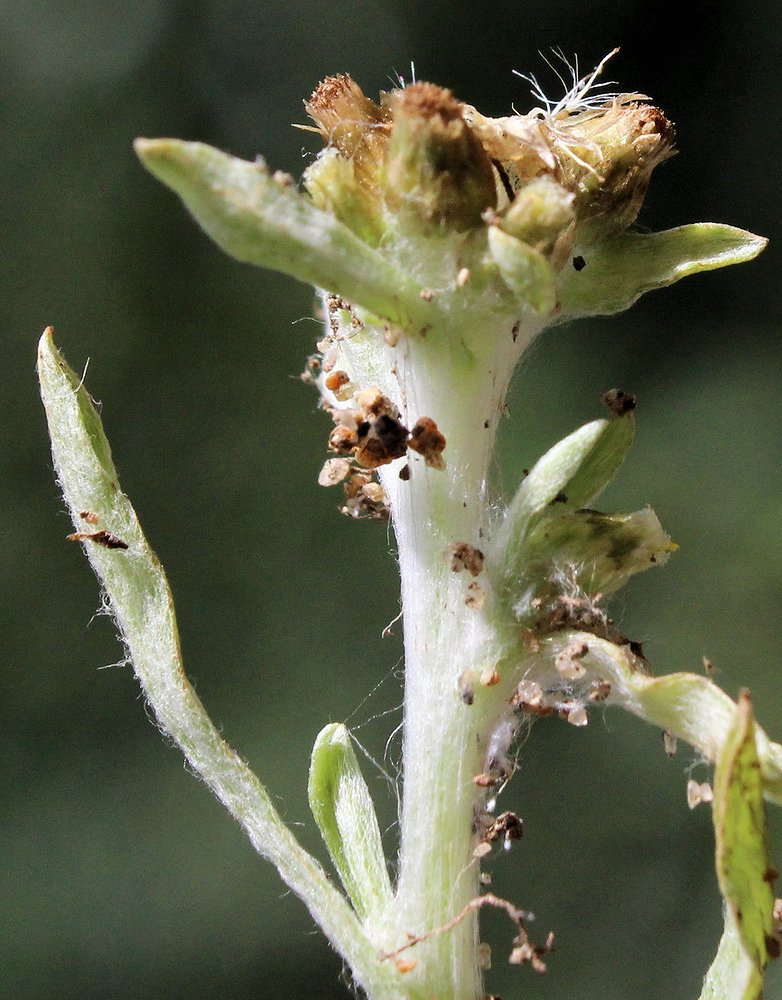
604,156
351,122
437,169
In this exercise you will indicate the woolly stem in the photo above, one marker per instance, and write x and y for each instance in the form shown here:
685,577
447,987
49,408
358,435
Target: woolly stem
445,641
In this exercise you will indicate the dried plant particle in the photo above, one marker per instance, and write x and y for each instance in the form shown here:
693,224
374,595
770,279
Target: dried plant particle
461,556
343,440
698,792
335,380
577,716
485,780
346,392
466,686
529,694
600,691
354,486
619,402
404,473
89,517
566,662
708,666
515,330
484,956
463,277
104,538
360,506
670,743
476,596
426,439
346,417
365,498
482,850
381,440
522,953
391,335
426,294
525,951
507,826
372,400
330,359
334,471
374,492
489,676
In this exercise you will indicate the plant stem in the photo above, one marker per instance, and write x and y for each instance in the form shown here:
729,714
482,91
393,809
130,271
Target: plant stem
445,640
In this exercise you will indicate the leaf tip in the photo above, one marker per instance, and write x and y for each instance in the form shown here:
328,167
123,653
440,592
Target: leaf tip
165,159
47,351
46,341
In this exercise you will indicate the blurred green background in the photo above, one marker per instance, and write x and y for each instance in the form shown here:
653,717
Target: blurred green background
120,877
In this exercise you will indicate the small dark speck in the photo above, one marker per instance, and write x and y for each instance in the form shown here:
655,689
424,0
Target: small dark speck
579,263
105,538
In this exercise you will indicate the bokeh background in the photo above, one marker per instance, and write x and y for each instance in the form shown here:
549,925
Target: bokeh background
120,877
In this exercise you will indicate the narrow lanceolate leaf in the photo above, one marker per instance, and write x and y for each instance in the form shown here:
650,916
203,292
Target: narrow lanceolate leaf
619,271
141,601
343,809
689,706
570,475
261,218
744,869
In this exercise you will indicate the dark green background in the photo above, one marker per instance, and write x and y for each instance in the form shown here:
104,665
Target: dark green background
120,877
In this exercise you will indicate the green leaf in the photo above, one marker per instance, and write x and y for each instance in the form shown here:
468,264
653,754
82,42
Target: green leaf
619,271
343,809
140,598
570,475
744,869
605,549
527,273
689,706
262,219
